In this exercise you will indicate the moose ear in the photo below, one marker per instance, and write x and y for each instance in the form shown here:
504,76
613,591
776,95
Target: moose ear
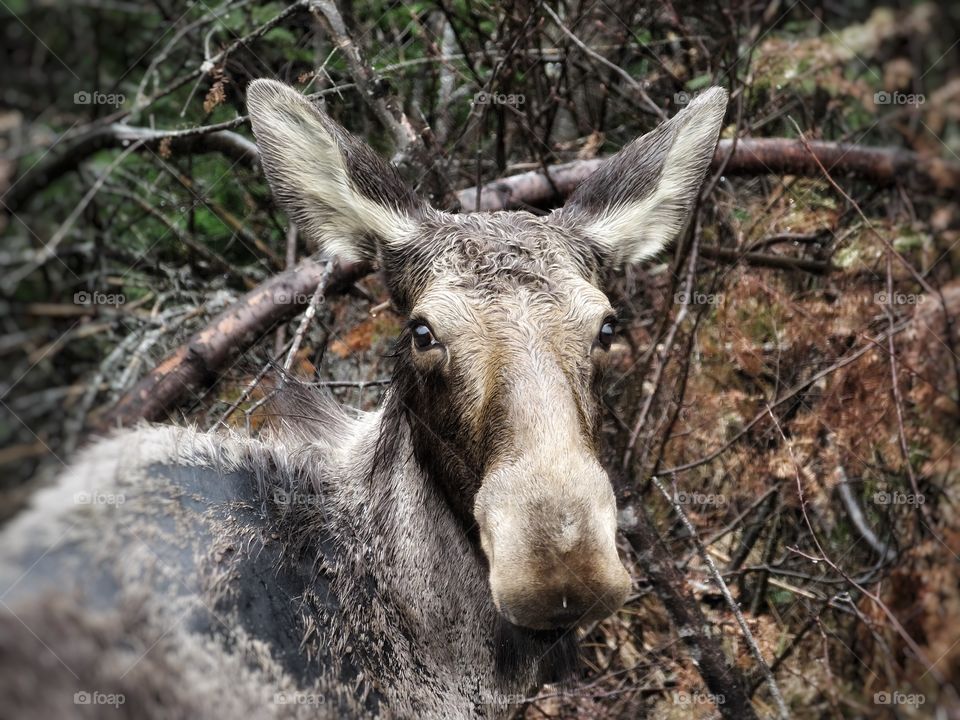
342,196
641,198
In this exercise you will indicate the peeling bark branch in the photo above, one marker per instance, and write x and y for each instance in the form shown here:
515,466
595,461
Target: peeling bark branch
775,156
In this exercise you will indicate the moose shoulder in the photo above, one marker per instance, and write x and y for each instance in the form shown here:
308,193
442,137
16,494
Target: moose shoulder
429,559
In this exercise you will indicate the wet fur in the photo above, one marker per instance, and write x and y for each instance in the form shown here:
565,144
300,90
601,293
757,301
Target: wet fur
337,555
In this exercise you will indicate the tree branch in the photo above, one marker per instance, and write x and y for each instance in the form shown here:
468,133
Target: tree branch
759,156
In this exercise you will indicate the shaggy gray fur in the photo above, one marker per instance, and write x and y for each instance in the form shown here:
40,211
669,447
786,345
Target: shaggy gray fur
239,573
336,565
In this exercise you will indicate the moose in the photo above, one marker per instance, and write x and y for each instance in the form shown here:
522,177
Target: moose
433,558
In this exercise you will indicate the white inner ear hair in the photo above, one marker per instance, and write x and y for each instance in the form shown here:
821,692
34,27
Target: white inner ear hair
637,230
310,172
349,214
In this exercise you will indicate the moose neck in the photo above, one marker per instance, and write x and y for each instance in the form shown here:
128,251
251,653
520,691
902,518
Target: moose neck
411,464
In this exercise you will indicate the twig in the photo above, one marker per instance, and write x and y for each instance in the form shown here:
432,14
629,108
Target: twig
359,384
731,603
650,106
249,388
308,315
727,529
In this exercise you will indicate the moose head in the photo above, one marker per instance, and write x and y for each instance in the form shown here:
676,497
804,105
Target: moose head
499,370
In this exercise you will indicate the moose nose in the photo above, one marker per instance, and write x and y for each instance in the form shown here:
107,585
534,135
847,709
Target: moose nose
552,550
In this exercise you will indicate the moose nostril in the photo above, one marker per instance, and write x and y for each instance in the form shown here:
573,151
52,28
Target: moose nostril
555,607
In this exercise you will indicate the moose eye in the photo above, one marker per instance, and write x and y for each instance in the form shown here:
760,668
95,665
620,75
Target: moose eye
423,338
607,332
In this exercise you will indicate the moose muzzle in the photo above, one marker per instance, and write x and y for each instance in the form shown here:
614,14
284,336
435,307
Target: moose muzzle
551,547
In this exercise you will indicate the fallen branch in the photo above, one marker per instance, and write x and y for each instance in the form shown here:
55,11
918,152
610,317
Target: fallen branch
651,107
780,262
760,156
201,359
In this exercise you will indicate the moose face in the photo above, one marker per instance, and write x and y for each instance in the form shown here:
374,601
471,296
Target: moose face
508,334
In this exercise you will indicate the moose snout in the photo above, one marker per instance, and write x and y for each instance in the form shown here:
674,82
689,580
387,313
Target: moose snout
553,560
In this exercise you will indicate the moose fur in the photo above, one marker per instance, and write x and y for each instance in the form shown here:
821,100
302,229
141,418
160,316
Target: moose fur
416,561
